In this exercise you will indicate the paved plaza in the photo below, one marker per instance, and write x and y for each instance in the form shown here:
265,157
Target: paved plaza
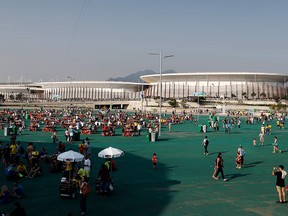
182,184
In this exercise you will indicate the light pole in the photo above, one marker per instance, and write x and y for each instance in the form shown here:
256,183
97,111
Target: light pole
160,87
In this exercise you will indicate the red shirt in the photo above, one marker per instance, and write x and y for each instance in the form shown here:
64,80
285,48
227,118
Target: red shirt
154,159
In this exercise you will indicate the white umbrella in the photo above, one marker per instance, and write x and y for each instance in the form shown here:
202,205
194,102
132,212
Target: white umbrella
70,156
110,153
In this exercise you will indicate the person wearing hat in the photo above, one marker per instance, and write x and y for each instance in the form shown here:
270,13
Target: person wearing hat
242,154
205,143
280,173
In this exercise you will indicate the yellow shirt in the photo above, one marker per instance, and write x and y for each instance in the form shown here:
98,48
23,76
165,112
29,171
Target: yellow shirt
21,168
68,166
13,148
35,154
81,172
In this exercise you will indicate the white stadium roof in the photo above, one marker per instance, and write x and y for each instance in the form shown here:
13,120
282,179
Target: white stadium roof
222,76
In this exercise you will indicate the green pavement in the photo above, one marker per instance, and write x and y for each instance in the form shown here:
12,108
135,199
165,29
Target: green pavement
181,184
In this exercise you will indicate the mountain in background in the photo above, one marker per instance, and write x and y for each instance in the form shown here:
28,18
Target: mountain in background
135,77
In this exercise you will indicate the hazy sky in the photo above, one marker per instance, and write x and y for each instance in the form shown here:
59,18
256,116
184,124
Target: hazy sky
98,39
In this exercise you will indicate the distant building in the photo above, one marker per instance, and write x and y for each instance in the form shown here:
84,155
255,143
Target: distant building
75,90
174,85
218,84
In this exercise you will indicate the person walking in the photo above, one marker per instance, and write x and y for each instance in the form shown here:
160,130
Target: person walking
54,136
219,168
242,154
238,161
261,138
205,143
275,146
170,125
280,174
254,141
154,160
87,165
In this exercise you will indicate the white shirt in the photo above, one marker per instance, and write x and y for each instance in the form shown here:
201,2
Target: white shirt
241,151
87,164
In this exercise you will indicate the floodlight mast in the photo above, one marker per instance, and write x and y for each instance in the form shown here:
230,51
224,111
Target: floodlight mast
160,87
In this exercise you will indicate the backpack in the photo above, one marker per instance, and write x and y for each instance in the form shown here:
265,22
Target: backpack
206,142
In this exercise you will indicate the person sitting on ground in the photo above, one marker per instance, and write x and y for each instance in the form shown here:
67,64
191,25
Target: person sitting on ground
11,172
36,170
35,156
18,190
21,169
4,195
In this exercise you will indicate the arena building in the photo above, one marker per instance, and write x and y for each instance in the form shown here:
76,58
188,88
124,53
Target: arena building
92,90
75,90
218,84
174,85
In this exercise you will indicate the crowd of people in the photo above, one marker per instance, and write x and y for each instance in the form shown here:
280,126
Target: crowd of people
265,129
20,162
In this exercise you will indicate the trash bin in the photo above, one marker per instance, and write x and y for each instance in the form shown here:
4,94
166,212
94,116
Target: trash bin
27,116
153,137
204,128
76,136
9,131
200,128
5,131
148,135
156,136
